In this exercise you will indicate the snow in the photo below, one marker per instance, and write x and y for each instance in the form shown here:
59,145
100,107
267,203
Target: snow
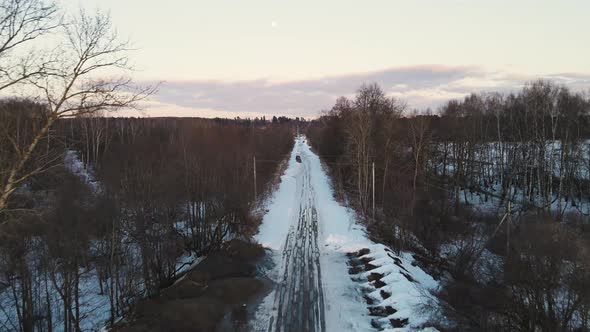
408,297
490,154
339,234
283,207
94,305
73,163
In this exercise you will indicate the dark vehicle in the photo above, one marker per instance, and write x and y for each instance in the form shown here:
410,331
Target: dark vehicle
298,159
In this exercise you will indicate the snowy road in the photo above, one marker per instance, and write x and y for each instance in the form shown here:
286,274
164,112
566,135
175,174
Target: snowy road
308,234
299,299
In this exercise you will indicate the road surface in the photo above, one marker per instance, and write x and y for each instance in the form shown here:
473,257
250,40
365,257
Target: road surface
299,298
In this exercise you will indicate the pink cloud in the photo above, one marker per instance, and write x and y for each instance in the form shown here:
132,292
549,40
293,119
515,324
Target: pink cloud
425,86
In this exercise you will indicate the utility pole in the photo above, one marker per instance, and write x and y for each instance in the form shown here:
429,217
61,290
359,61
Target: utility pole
255,179
508,225
373,191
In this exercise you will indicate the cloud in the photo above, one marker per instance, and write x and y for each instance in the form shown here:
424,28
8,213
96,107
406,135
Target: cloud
426,86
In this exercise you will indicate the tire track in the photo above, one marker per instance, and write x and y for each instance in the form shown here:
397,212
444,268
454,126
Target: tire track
299,300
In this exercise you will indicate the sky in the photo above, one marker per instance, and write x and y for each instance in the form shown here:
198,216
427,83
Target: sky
262,57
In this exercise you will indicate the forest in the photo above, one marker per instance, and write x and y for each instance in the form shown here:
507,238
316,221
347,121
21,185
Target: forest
98,212
132,203
491,192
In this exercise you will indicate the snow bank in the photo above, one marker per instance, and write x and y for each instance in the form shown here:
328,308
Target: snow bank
283,207
408,289
347,309
337,223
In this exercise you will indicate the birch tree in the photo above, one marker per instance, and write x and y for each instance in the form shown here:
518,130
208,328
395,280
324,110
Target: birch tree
75,86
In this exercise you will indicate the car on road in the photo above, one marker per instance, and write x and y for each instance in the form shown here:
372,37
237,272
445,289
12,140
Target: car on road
298,159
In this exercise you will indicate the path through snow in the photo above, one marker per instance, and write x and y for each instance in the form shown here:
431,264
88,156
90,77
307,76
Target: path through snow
309,235
299,300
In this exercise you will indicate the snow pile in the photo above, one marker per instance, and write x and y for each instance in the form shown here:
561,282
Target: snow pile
399,289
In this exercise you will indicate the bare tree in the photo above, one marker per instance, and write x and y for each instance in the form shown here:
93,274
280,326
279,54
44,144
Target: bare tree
419,140
73,87
21,23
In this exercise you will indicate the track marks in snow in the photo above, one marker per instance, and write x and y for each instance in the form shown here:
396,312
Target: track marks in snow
299,300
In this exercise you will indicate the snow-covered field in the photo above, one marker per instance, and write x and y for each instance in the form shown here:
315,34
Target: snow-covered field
345,308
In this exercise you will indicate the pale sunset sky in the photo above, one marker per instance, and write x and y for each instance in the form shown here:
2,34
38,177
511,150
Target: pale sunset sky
251,58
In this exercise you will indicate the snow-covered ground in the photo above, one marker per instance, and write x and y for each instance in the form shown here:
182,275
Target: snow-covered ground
490,155
94,304
345,309
73,163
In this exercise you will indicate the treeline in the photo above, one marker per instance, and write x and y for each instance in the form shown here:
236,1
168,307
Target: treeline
368,134
132,205
477,191
530,148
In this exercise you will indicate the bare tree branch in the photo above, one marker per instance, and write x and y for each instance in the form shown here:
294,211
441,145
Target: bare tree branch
21,22
74,87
